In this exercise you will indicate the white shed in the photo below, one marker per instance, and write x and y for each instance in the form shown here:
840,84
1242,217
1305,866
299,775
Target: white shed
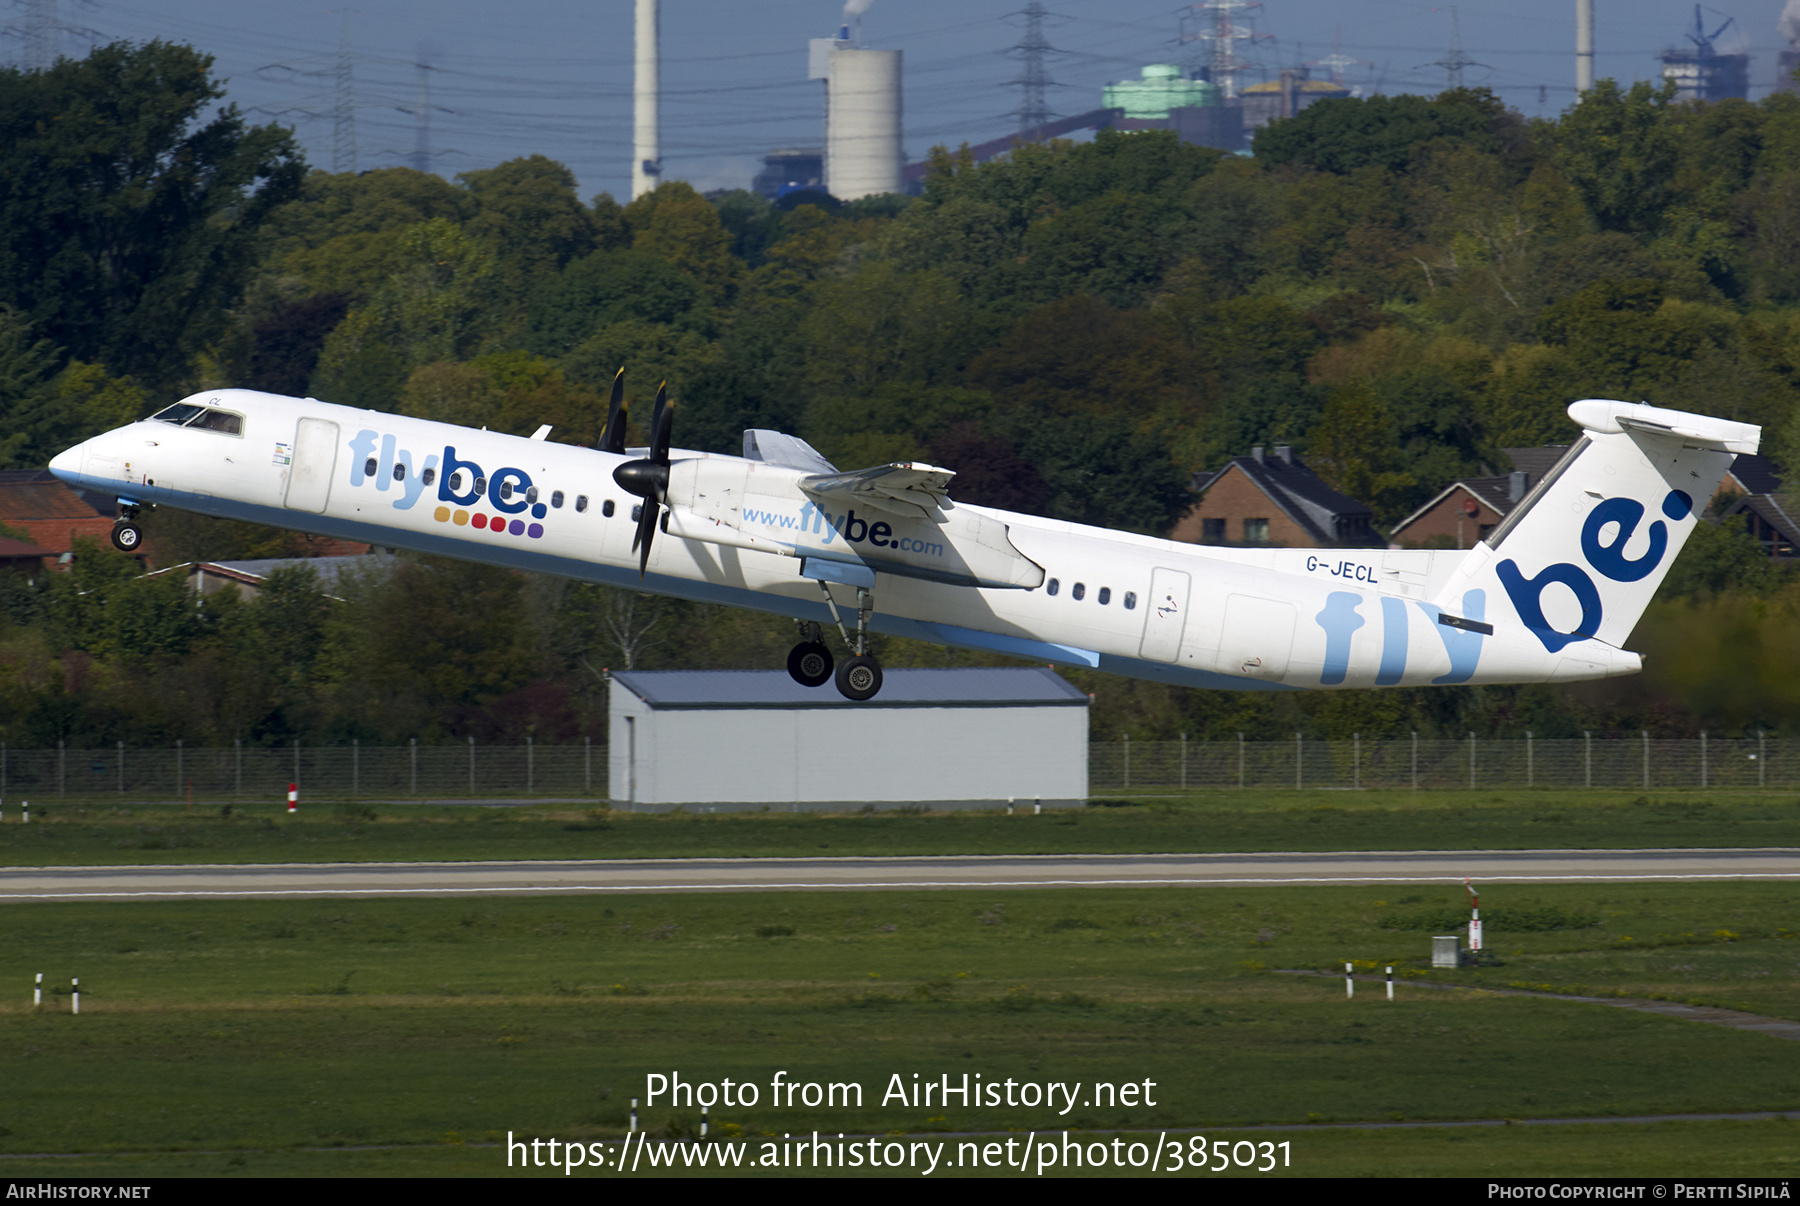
734,739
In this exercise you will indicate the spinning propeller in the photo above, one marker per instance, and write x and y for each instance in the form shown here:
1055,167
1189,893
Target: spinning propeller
647,477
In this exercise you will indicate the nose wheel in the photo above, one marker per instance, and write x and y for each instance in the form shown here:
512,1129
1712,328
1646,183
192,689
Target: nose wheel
126,535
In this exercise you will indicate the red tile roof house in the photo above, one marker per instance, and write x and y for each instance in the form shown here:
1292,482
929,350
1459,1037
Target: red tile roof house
49,513
1274,500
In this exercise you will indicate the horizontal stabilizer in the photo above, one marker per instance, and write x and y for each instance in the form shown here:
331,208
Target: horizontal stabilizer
1606,417
904,488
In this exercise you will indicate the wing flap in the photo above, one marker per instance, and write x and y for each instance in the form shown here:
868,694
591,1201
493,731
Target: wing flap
904,488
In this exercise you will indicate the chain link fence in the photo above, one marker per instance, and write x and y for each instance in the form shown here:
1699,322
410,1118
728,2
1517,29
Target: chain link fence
353,771
1642,762
472,771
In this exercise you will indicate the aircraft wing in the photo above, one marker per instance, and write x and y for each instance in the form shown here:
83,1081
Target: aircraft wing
904,488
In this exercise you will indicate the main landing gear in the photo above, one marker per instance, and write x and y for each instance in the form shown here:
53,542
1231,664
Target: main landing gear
810,661
126,535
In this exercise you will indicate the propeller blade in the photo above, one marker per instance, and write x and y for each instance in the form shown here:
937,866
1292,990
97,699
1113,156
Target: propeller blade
662,425
646,533
612,436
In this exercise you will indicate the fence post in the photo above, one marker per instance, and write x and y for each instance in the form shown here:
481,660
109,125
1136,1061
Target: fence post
62,766
531,765
1702,757
1530,762
121,768
1762,759
237,743
1298,761
1471,761
1644,734
296,762
1127,762
587,761
355,767
1184,762
1356,761
471,766
415,764
1240,762
1587,754
1415,759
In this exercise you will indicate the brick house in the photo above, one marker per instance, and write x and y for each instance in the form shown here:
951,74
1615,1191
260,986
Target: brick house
1465,511
1274,499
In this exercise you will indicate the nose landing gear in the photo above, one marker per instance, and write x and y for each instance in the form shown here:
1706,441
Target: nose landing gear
126,535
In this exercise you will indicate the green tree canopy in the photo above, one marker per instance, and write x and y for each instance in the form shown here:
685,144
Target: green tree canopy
130,214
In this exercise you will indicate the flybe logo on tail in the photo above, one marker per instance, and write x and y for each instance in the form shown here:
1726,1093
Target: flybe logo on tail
1608,559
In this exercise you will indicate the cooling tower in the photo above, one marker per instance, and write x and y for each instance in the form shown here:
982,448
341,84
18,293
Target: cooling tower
862,123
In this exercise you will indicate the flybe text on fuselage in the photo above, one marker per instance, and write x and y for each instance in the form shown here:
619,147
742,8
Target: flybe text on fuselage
377,461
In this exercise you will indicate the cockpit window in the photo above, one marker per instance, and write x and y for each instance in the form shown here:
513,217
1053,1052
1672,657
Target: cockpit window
178,414
204,418
220,420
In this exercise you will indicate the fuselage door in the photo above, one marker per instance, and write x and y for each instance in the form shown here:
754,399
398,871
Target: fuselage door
315,457
1165,615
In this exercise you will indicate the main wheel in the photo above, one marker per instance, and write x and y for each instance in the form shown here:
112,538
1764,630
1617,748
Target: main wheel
810,664
126,536
859,678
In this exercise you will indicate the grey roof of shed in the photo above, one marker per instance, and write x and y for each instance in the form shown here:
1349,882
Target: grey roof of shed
961,687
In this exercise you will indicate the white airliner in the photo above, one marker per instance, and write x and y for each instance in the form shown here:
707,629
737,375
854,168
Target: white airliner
1550,595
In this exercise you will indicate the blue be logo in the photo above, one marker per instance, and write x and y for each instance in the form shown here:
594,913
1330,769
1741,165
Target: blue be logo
1608,560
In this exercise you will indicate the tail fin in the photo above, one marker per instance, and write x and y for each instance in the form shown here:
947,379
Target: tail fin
1582,555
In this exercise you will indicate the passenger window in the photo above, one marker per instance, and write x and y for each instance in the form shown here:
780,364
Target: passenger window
399,471
1080,590
637,513
455,482
556,498
480,486
369,467
607,508
1053,587
1105,595
531,494
1130,600
429,476
581,502
506,490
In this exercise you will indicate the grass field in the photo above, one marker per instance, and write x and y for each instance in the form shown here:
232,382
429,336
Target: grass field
103,831
256,1030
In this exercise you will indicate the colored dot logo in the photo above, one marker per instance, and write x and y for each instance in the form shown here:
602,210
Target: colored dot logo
497,524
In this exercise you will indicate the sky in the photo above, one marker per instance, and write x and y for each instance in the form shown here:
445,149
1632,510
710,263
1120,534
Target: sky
553,77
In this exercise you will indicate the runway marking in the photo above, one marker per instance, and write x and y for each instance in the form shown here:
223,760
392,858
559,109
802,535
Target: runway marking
518,889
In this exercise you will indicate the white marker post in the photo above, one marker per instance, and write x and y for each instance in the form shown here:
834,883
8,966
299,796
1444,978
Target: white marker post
1349,984
37,992
27,819
703,1124
75,995
293,797
1474,920
1390,982
633,1130
1009,804
1037,809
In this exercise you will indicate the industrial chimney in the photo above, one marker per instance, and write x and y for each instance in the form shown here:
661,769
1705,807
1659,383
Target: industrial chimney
646,142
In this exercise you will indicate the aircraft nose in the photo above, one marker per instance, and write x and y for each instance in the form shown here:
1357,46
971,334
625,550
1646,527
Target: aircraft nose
67,465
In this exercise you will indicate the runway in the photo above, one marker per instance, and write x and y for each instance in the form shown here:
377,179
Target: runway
622,876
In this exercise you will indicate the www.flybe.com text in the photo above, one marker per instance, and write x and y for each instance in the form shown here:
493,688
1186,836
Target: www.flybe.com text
816,521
